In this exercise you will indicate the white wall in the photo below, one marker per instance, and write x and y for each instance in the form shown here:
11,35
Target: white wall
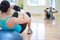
58,6
35,9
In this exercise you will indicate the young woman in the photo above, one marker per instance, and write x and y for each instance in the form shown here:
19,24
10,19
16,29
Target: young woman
49,13
12,23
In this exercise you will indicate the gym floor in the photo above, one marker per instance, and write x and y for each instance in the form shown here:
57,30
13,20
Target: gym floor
43,29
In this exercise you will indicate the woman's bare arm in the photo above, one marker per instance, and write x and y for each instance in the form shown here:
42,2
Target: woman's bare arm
54,11
22,20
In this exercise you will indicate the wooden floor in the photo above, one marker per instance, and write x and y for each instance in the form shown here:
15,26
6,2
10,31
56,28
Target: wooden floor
43,29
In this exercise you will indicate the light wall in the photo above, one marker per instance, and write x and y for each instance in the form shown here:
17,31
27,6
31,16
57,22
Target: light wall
35,9
58,6
20,2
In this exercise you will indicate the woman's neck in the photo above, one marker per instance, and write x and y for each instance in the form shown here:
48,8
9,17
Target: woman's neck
4,15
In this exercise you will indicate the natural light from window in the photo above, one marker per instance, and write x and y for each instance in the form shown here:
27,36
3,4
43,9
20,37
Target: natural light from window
36,2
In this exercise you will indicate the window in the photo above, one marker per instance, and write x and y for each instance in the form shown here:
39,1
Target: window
53,3
36,2
11,2
0,1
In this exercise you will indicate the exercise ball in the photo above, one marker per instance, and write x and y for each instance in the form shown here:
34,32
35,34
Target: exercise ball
10,35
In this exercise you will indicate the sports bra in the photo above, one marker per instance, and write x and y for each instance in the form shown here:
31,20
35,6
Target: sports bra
4,26
48,11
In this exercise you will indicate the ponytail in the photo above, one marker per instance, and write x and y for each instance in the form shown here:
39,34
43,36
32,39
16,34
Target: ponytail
4,6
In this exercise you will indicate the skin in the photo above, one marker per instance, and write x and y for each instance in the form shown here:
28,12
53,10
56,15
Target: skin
50,10
13,20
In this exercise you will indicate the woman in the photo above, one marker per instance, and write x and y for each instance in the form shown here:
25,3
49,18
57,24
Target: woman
49,13
11,23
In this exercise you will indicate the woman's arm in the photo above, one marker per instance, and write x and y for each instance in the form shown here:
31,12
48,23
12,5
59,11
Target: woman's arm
45,12
22,20
55,11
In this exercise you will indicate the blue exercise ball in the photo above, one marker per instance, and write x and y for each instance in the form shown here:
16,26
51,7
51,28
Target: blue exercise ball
10,35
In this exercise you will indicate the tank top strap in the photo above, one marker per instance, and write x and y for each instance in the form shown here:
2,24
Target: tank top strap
7,18
0,21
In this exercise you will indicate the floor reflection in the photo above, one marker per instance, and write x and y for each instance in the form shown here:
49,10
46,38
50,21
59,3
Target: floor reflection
38,31
44,30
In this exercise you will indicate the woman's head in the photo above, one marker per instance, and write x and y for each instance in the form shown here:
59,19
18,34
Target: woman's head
4,6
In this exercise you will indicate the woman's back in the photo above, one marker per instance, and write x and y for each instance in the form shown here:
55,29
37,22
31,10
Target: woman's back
5,26
11,23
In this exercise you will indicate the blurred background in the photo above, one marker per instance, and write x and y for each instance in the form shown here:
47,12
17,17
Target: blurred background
42,29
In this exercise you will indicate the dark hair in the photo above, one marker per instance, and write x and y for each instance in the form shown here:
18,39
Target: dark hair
47,8
4,6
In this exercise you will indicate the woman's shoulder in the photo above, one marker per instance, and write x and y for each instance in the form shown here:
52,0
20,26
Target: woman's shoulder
13,19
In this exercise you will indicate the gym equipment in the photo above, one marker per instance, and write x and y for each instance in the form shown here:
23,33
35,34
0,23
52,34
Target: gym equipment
28,13
15,14
10,35
16,8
